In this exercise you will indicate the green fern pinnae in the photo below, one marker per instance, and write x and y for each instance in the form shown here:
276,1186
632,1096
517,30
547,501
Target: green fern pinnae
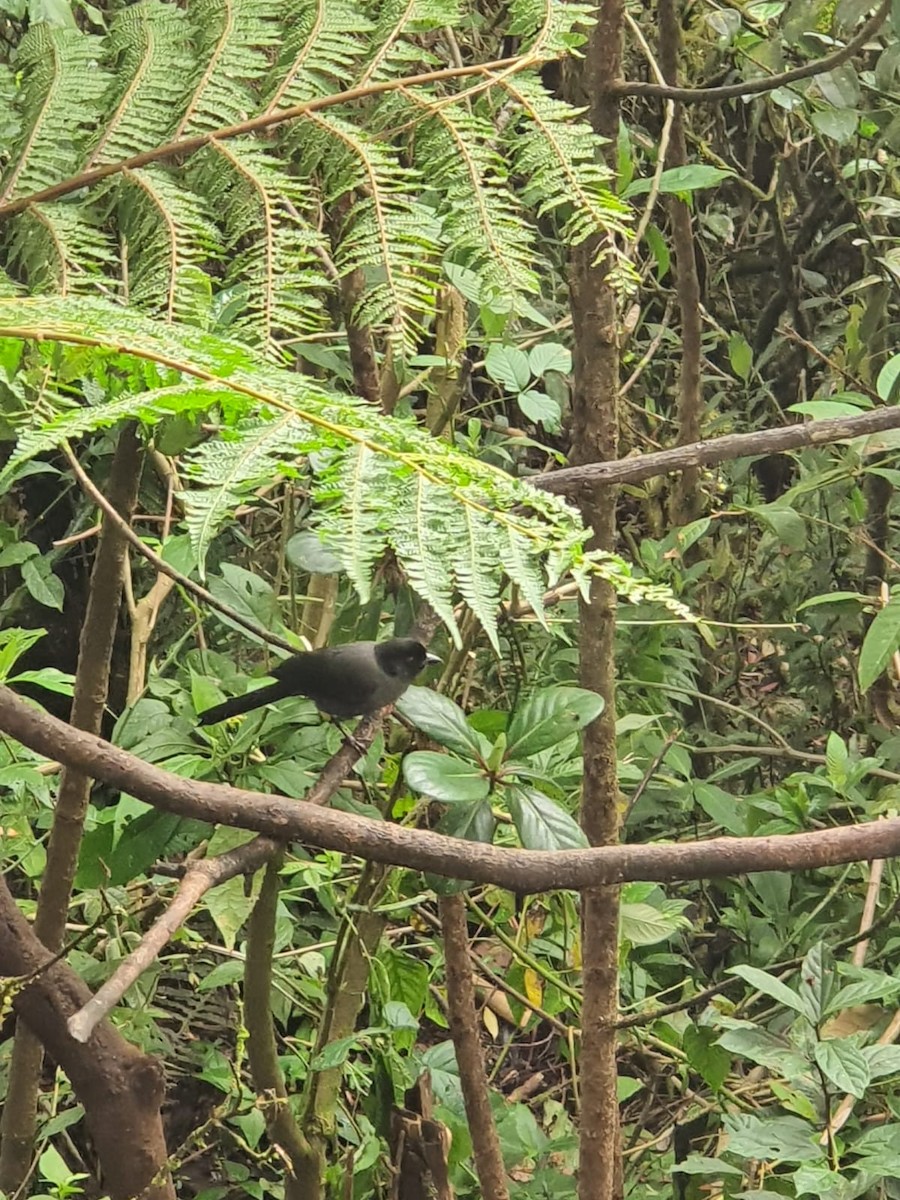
59,103
522,567
355,493
56,248
549,29
422,535
365,466
557,155
483,224
169,229
230,467
235,40
324,42
398,22
269,246
149,47
475,560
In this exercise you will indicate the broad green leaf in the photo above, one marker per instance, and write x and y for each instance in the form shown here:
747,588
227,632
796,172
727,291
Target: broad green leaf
882,1060
844,1065
43,585
540,823
508,366
644,925
48,677
550,716
550,356
774,1139
700,1164
711,1061
442,720
839,124
229,905
540,408
689,178
881,640
307,551
723,808
833,598
740,355
445,778
816,982
473,822
889,379
763,982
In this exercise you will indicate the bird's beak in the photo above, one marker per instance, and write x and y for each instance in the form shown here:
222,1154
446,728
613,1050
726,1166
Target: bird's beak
432,658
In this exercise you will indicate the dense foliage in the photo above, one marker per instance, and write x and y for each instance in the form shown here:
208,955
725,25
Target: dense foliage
317,257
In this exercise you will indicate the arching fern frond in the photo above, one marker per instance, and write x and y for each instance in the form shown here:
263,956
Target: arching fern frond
324,42
60,105
378,482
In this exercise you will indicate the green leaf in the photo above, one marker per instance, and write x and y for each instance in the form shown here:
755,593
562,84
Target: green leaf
473,822
774,1139
43,585
689,178
643,925
549,717
540,408
307,551
540,823
763,982
50,678
844,1065
740,355
444,778
881,640
839,124
723,808
709,1060
442,720
508,366
549,356
889,380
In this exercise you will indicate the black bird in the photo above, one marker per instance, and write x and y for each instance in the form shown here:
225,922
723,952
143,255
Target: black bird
353,680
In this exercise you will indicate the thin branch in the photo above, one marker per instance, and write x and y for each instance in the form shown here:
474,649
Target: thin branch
199,878
713,451
182,147
755,87
157,561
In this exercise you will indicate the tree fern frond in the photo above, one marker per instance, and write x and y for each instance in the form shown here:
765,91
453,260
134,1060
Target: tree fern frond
235,40
60,105
269,246
421,529
483,223
549,28
240,460
523,569
390,237
166,231
323,43
366,466
55,248
399,21
557,156
353,491
149,47
475,566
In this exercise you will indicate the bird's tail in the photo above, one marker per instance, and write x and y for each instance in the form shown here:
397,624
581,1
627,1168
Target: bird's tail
242,704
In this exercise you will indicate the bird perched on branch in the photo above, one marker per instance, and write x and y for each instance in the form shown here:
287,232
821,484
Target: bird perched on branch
353,680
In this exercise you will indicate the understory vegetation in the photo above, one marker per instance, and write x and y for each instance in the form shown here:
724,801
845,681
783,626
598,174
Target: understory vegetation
306,310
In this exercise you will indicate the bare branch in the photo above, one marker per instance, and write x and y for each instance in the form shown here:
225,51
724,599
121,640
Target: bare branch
522,871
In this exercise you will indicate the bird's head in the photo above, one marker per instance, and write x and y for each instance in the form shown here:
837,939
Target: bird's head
403,657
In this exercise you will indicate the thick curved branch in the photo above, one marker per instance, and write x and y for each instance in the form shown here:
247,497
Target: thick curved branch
522,871
754,87
713,451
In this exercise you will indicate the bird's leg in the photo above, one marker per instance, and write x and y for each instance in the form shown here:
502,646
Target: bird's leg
349,739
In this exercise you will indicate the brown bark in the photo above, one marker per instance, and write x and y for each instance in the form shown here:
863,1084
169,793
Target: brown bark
685,495
120,1088
596,437
17,1126
522,871
469,1054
